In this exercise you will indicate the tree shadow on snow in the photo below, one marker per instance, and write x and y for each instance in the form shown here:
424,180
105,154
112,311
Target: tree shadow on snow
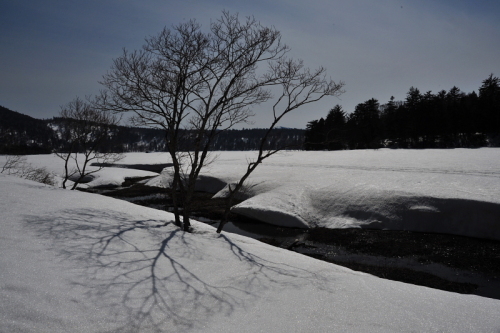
152,276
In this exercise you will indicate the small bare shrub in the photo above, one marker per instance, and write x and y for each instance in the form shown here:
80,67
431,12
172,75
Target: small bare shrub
12,163
17,165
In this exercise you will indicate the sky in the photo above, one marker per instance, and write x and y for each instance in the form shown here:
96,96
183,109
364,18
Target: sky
52,51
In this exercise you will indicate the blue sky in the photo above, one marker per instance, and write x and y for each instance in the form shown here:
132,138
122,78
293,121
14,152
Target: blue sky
55,50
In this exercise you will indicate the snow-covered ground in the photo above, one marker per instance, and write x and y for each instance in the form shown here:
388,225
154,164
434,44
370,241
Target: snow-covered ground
104,177
80,262
453,191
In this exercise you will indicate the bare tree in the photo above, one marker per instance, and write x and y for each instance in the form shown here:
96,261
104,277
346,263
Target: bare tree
184,78
85,129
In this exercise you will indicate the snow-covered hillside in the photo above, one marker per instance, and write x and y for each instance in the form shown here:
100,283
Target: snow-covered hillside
79,262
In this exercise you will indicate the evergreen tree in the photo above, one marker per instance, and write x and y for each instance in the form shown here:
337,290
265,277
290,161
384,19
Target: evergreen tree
429,128
335,124
413,120
366,122
489,101
389,122
314,137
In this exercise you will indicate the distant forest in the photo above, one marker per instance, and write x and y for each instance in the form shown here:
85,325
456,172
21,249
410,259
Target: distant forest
448,119
22,134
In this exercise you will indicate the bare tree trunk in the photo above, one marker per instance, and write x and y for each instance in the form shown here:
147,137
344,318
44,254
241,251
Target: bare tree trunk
227,210
175,202
66,172
186,212
175,191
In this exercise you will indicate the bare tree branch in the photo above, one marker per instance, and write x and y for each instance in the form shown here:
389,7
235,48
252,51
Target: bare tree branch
196,84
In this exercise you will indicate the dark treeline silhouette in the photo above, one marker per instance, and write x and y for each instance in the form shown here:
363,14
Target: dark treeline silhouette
250,139
22,134
121,139
448,119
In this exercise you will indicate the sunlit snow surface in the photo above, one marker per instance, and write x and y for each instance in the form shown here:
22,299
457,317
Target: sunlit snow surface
79,262
104,177
450,191
453,191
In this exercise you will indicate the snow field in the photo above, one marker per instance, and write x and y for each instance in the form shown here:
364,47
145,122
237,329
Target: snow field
79,262
455,191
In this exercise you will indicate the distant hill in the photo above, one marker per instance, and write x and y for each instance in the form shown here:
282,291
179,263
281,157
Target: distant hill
22,134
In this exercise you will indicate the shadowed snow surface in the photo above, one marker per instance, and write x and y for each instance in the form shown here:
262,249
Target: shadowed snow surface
78,262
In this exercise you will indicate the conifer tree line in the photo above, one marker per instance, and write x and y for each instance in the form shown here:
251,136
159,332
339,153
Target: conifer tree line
448,119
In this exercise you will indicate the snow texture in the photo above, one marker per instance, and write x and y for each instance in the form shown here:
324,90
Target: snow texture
80,262
455,191
104,177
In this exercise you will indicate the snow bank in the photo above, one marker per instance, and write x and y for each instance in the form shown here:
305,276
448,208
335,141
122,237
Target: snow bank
204,183
116,176
79,262
453,191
